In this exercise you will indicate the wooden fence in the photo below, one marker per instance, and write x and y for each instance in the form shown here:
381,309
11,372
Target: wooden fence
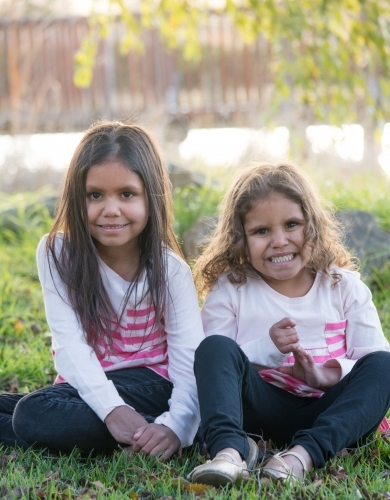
37,92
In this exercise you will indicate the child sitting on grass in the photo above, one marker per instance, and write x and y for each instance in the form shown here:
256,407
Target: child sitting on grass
294,351
121,306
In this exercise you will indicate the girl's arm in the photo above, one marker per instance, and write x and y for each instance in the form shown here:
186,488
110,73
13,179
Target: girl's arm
363,331
184,333
74,359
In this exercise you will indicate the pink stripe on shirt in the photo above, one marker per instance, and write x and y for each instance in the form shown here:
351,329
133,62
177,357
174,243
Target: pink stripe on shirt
339,352
289,383
136,326
335,339
161,370
336,326
131,313
133,356
157,334
130,351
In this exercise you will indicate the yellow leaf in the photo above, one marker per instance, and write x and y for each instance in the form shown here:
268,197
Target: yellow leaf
198,489
18,326
82,77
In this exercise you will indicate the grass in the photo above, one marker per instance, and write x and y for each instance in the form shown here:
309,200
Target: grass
362,191
41,475
26,365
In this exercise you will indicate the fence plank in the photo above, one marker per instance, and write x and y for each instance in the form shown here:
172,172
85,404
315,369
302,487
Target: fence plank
37,91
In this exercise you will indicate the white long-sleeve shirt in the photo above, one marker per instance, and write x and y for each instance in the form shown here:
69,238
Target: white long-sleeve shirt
335,325
169,352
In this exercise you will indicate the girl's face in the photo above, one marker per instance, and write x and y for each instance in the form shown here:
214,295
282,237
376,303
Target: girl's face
276,247
117,208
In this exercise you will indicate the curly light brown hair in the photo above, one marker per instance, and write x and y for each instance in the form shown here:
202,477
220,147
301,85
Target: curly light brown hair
227,249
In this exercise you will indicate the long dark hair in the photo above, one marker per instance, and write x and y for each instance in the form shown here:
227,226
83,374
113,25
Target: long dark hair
77,263
227,250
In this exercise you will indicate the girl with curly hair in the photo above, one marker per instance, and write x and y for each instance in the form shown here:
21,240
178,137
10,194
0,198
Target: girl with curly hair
294,348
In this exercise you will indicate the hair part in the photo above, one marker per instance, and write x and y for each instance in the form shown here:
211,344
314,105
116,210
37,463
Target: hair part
78,262
227,249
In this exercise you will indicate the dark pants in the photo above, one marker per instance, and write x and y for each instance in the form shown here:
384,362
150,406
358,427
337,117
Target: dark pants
57,418
234,400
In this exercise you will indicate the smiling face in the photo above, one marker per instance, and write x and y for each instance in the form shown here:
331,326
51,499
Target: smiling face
274,229
117,208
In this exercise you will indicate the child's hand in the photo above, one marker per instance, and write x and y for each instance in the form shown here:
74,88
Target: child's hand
316,376
156,439
284,335
123,423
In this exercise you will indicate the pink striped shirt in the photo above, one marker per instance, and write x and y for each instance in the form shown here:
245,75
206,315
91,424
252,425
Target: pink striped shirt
135,344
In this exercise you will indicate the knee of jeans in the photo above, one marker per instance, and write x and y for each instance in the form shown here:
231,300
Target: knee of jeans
213,345
25,419
380,360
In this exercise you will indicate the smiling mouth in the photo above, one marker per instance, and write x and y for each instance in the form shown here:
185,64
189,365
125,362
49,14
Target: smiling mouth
117,226
282,258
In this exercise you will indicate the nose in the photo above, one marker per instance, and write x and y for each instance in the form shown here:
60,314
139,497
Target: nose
279,238
111,208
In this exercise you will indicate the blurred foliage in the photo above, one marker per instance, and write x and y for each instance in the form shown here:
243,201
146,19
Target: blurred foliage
25,360
331,57
192,203
25,216
362,191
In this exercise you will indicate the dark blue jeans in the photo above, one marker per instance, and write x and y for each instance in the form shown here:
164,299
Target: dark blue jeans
57,418
234,400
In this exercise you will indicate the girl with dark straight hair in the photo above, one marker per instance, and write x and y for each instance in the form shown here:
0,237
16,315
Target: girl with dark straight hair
121,305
